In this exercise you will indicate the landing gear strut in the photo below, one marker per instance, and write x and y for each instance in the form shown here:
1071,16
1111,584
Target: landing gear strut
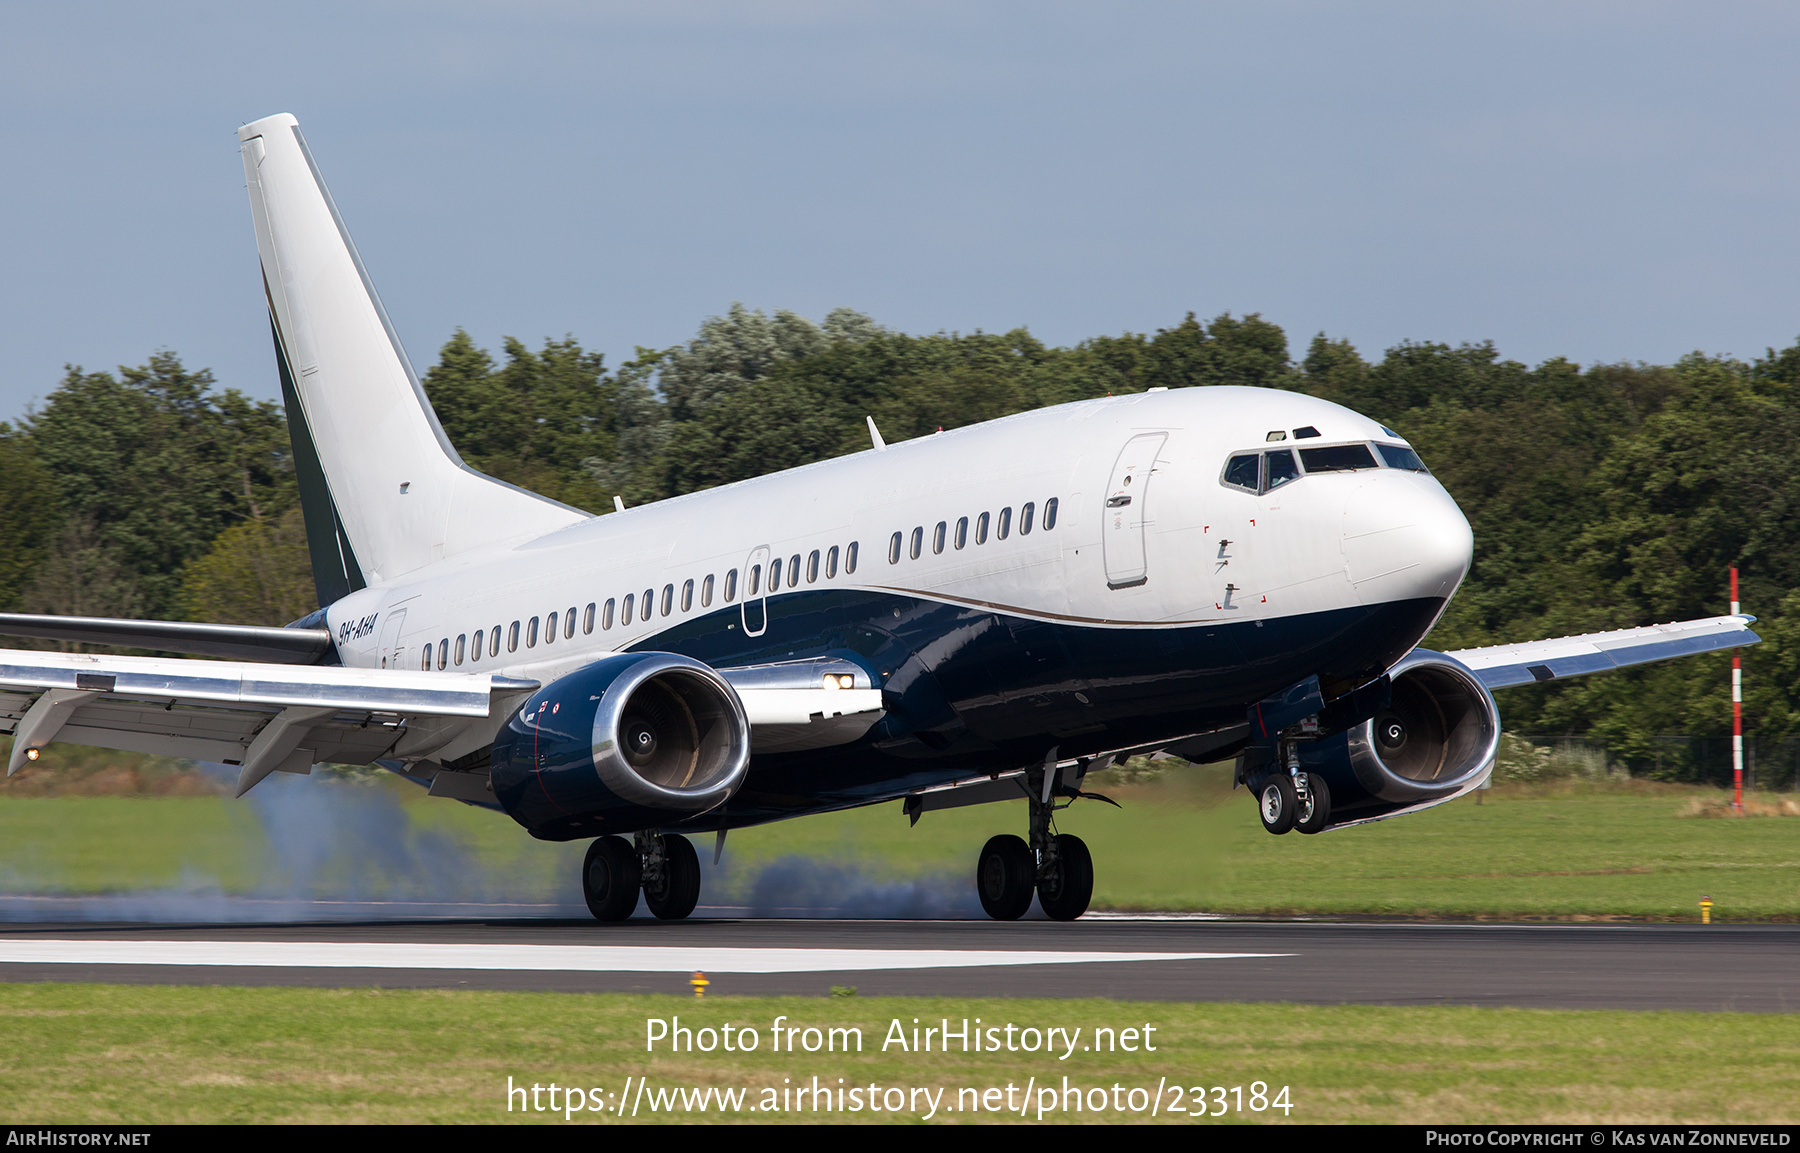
664,866
1057,865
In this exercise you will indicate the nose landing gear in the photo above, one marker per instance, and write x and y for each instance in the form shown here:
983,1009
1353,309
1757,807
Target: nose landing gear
1291,799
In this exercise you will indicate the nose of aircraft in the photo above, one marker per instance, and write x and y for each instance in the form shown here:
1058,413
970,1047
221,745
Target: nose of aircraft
1404,538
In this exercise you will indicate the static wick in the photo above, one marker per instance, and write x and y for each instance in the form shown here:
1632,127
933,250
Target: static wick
699,982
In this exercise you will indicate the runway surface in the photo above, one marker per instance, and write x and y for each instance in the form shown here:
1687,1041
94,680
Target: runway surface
1745,968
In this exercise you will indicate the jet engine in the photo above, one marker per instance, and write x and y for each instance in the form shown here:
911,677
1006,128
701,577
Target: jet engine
629,742
1434,739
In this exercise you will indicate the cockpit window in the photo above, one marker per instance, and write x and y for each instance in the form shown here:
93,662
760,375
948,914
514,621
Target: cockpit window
1337,458
1281,467
1241,470
1399,456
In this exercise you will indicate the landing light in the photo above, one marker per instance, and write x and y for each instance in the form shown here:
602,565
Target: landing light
31,754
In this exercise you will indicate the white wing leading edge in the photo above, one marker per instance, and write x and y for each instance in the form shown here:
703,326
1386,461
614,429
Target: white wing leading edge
1533,662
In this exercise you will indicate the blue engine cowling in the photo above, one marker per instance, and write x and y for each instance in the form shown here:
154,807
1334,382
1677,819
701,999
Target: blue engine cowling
1435,740
630,742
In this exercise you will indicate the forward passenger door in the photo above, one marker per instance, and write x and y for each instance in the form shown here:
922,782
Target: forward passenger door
1127,511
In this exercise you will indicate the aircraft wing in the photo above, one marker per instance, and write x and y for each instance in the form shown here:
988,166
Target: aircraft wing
260,716
1532,662
265,717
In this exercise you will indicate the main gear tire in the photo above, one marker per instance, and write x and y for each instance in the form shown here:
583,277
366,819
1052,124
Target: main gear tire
675,896
1064,892
610,877
1005,876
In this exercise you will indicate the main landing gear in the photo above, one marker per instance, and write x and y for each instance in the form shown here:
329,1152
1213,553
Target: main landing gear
1057,865
663,866
1292,799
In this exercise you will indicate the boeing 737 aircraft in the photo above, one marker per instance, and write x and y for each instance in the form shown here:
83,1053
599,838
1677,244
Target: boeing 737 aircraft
986,614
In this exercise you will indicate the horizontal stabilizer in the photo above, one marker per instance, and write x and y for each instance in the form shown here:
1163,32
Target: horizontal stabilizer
1533,662
245,642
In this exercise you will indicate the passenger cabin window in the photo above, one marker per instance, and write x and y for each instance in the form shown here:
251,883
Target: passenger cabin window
531,633
937,537
831,562
587,619
812,567
730,586
494,641
630,607
1025,518
981,527
644,606
1241,471
475,647
962,531
1050,514
512,638
426,663
1399,456
569,621
668,601
606,614
894,549
794,571
775,574
462,647
550,629
687,595
1336,458
443,653
706,588
755,580
850,558
918,542
1005,525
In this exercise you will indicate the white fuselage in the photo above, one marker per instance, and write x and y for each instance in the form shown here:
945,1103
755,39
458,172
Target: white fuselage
1207,552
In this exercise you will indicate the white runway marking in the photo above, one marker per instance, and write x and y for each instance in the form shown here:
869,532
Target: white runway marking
562,958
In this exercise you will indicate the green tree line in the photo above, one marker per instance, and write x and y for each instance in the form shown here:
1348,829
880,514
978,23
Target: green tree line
1601,496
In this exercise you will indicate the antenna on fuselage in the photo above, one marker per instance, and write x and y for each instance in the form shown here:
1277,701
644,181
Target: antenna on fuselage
875,434
618,503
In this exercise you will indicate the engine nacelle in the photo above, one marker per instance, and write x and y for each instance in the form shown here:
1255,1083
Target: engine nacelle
629,742
1435,740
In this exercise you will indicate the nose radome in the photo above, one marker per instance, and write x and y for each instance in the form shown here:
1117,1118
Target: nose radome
1404,538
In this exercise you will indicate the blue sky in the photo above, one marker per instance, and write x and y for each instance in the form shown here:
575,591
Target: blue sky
1599,181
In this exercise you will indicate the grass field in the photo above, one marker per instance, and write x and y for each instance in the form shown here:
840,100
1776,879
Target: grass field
1605,849
103,1054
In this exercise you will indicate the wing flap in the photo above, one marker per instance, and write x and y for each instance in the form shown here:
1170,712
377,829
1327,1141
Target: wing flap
311,686
265,717
1533,662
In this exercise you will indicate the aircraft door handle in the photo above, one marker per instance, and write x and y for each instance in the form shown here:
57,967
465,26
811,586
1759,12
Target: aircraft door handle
1117,501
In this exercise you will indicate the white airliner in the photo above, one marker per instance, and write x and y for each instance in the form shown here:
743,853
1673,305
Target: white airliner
984,614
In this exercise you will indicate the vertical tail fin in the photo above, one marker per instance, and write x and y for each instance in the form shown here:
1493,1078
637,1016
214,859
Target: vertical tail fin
383,490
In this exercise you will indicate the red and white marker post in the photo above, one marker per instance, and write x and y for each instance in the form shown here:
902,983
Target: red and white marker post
1737,713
